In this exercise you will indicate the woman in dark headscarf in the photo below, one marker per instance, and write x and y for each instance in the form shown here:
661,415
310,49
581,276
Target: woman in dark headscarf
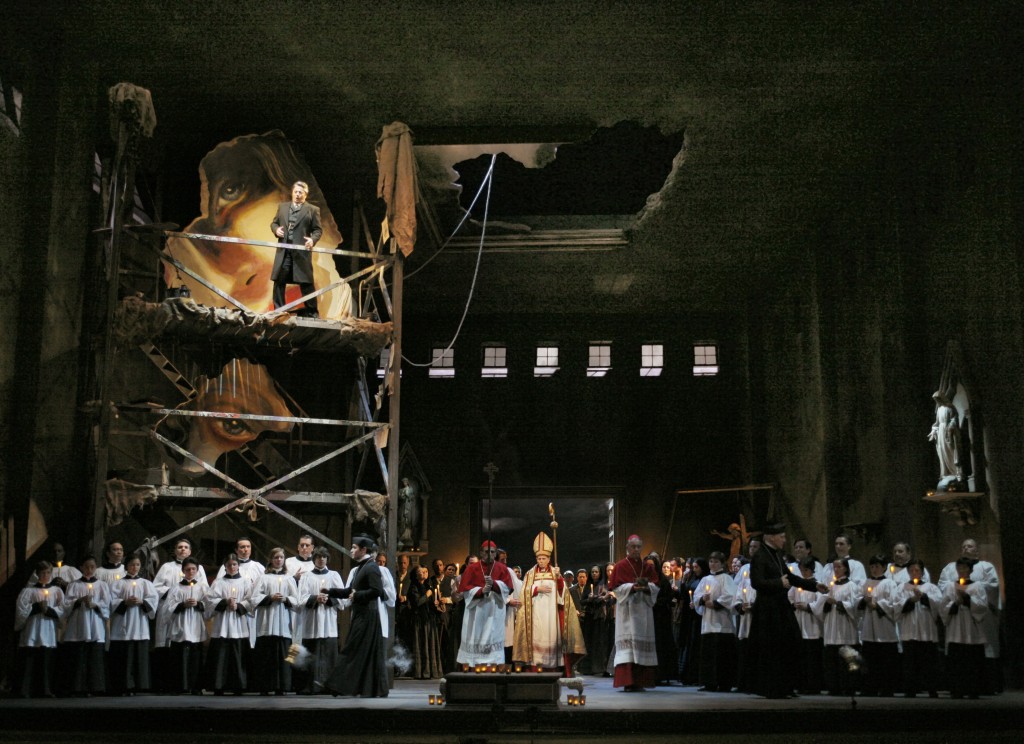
668,656
690,623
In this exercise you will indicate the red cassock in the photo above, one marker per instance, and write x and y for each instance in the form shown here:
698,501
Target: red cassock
474,575
628,571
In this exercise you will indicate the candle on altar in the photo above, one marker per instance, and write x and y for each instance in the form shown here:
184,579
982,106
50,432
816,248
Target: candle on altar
431,699
582,700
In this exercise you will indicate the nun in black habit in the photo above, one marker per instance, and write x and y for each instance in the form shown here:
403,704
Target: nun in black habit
361,668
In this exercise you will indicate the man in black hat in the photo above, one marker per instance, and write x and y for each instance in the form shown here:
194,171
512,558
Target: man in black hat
774,633
361,668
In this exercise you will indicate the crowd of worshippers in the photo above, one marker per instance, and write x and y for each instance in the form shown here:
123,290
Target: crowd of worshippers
104,628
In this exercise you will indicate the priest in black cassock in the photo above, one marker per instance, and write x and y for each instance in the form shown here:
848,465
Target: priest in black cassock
361,668
774,633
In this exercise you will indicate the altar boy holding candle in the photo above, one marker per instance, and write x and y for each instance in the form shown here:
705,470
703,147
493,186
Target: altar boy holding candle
182,611
878,630
133,604
83,648
318,622
917,604
808,617
38,610
964,610
713,601
227,609
839,608
274,598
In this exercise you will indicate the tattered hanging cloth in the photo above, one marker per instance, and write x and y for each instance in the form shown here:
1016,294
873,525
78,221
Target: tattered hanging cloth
133,105
396,183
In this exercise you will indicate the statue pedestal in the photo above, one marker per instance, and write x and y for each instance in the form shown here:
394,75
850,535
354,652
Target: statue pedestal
498,690
414,556
965,506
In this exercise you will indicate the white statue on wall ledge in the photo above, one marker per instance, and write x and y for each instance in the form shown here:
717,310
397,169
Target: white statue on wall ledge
945,433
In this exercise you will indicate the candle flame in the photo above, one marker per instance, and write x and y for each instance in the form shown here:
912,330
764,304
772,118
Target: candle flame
962,582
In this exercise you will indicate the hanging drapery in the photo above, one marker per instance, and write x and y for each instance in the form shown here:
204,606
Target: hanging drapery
396,183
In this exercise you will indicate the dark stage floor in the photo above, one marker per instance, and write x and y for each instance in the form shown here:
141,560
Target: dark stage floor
660,715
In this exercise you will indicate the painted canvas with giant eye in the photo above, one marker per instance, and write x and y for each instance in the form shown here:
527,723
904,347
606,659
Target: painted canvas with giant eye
242,182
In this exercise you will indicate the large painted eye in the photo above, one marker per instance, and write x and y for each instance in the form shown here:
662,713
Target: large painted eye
231,191
235,428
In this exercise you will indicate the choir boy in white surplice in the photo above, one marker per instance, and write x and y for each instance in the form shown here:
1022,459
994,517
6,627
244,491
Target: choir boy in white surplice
964,607
83,648
808,617
133,604
714,600
228,610
113,563
37,613
743,605
182,613
858,575
318,624
275,598
902,554
170,575
918,604
983,573
878,631
840,611
250,570
60,574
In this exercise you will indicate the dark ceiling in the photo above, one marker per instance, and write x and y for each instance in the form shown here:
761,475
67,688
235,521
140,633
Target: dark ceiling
788,108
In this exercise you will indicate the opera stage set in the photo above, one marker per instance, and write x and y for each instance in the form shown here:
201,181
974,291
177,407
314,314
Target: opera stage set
681,270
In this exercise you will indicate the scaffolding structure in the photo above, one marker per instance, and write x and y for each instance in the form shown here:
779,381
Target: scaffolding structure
152,327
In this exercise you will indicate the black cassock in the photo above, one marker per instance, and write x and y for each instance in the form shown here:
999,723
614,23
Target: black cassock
774,632
361,669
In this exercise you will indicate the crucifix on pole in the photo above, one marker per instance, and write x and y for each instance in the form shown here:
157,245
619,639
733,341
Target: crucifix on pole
491,469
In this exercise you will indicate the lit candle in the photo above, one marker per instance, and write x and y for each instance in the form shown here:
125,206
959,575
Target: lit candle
745,572
892,568
431,699
962,582
60,563
916,582
540,668
582,699
132,593
117,577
